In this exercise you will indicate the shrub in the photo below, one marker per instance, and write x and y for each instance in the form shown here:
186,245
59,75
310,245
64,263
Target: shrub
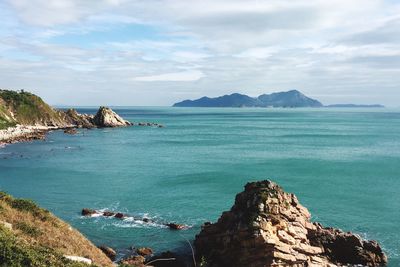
28,229
16,254
30,206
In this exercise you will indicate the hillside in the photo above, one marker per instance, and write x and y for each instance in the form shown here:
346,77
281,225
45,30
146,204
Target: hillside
32,236
27,109
291,98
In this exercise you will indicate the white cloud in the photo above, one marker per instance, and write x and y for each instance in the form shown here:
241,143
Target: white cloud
213,47
183,76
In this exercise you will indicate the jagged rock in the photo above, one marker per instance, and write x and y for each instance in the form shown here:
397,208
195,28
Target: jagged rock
88,212
119,215
108,213
175,226
137,261
144,251
268,227
109,252
80,120
106,117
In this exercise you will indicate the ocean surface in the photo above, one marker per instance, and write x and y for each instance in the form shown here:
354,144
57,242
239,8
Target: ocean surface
343,164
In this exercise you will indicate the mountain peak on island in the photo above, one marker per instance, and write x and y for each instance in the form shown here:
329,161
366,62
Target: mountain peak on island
292,98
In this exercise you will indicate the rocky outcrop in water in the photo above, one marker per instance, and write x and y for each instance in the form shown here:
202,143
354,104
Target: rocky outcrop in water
106,117
79,120
269,227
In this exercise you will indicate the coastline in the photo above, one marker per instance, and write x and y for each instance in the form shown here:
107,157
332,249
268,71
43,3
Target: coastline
26,133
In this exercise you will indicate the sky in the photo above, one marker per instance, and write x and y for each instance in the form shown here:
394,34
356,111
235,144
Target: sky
157,52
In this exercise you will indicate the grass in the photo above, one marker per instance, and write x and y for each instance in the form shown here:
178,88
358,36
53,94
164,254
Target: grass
28,229
17,253
28,109
38,238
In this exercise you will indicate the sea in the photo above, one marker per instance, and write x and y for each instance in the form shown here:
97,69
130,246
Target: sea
343,165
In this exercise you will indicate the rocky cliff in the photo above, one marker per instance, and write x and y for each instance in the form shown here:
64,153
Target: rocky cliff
27,109
25,116
269,227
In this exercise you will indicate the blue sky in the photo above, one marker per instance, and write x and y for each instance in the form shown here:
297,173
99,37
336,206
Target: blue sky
157,52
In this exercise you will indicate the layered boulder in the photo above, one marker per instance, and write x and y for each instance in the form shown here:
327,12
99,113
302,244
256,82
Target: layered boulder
269,227
106,117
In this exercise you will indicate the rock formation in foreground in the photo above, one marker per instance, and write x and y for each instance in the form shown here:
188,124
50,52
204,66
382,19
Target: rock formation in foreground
269,227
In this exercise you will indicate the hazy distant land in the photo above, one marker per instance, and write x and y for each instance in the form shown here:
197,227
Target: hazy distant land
289,99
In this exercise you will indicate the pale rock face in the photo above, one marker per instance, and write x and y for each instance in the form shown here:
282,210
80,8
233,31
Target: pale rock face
269,227
6,225
79,259
105,117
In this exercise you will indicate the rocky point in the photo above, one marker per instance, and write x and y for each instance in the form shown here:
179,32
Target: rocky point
269,227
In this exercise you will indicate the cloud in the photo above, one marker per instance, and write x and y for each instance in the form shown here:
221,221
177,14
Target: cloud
389,32
184,76
168,48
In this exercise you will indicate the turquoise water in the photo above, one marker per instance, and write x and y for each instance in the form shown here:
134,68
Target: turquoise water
342,164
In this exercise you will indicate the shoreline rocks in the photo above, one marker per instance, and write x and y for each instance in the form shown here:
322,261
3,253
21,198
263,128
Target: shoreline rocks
105,117
119,215
269,227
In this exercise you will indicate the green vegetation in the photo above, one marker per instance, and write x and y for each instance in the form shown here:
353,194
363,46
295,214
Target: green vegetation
27,109
16,253
26,205
38,238
28,229
5,120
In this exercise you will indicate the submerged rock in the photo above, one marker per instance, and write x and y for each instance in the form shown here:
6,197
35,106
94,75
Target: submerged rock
269,227
70,131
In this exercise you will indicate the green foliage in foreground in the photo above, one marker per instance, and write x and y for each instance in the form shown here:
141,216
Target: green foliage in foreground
14,253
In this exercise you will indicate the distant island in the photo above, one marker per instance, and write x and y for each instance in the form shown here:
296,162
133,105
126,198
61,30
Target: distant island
289,99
